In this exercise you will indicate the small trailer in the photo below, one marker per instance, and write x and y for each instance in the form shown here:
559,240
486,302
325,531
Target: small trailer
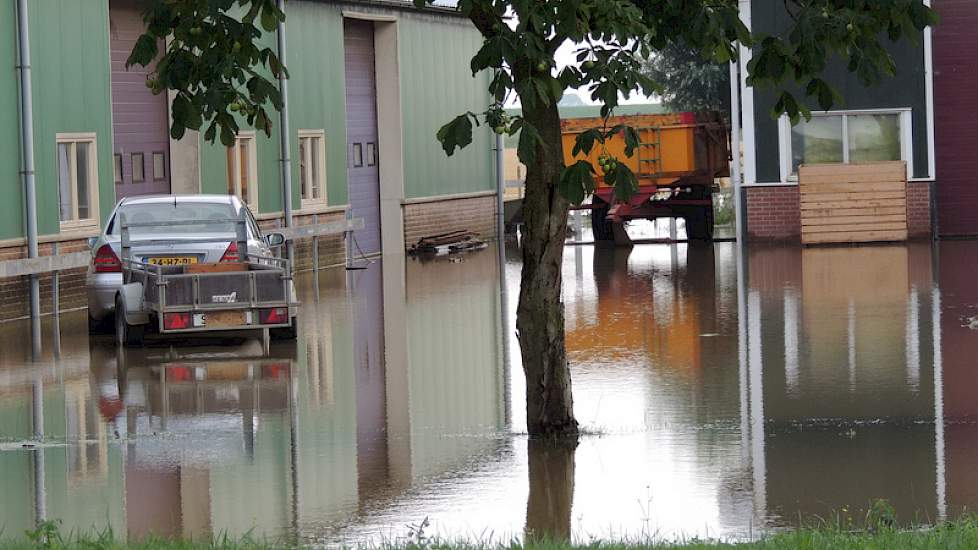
255,293
678,159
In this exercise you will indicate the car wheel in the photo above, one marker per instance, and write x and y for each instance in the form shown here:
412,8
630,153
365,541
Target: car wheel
125,334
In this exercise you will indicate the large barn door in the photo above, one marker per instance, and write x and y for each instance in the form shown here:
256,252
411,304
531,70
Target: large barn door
363,175
141,144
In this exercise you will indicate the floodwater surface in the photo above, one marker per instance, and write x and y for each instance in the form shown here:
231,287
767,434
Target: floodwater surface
714,405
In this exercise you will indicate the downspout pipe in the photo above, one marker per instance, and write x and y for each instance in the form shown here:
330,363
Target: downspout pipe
27,148
284,133
735,139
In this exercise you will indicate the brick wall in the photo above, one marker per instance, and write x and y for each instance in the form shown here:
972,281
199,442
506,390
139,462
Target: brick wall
918,210
476,214
774,213
15,291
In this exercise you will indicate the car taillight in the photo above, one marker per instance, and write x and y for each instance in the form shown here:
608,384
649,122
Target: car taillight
231,254
273,316
106,261
176,321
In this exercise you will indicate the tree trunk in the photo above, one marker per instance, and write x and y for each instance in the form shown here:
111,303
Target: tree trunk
540,314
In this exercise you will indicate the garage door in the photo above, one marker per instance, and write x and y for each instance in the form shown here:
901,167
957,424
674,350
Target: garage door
141,145
363,176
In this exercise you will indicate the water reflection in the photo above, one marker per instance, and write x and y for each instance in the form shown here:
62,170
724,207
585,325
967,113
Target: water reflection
720,405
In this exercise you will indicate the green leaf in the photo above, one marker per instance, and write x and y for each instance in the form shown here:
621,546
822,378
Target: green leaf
626,183
584,141
529,141
576,181
269,18
143,52
457,134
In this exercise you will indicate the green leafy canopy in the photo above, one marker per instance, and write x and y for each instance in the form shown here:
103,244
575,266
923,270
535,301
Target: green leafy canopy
213,62
613,39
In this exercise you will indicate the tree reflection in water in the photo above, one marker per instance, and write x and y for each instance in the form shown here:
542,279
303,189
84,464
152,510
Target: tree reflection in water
551,498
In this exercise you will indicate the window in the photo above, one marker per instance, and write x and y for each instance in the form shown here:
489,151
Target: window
371,154
159,166
77,179
312,166
846,137
243,168
117,168
138,167
357,155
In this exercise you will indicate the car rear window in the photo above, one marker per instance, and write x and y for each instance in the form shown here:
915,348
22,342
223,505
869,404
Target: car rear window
209,214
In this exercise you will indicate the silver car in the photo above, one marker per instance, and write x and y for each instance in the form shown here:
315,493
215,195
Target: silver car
105,272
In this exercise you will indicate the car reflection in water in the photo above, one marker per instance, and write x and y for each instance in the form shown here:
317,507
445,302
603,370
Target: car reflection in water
179,412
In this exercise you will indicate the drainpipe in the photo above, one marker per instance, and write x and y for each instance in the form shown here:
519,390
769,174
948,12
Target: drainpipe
27,145
739,219
283,86
500,190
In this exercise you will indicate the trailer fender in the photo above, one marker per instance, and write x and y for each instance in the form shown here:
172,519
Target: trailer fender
132,298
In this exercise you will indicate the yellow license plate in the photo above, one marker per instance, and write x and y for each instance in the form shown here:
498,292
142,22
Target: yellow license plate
225,319
172,260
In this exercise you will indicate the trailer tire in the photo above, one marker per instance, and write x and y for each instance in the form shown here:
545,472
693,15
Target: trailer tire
699,225
600,226
100,326
126,335
290,332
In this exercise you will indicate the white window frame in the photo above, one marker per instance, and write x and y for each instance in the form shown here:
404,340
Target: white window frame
906,137
319,157
250,137
73,138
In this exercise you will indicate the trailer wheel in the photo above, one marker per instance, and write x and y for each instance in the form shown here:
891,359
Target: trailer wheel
600,225
699,225
125,334
290,332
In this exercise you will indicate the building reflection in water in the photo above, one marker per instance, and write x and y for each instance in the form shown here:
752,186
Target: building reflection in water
818,378
392,387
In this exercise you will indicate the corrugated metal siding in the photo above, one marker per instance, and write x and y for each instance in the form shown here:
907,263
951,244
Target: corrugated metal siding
955,103
12,207
363,179
316,88
436,86
70,72
139,118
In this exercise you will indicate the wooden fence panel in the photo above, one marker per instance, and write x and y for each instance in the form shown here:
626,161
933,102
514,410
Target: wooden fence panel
852,203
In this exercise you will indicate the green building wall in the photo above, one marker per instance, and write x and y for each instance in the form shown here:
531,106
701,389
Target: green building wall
11,209
436,85
71,85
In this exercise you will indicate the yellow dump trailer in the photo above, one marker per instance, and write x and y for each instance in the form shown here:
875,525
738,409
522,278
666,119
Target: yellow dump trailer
679,157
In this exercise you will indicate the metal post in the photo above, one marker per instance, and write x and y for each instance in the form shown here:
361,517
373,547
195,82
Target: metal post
37,416
503,292
315,247
55,307
739,218
500,190
27,147
284,134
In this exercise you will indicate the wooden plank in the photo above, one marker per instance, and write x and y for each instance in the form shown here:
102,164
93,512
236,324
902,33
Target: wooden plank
841,210
224,267
854,168
873,203
853,227
854,180
842,220
853,196
864,237
809,188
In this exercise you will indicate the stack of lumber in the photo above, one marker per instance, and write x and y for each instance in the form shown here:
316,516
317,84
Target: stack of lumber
447,243
853,203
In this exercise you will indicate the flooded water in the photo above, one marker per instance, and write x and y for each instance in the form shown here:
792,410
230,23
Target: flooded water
715,406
